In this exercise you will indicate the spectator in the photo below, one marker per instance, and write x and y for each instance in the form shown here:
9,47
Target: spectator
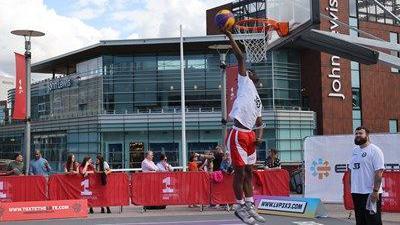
85,169
207,162
147,164
72,166
86,166
39,166
219,154
226,166
16,167
193,166
272,161
163,165
103,168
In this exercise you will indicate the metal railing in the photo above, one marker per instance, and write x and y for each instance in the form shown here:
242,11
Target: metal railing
176,168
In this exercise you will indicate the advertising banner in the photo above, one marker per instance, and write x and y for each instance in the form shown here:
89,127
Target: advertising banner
19,112
326,159
177,188
287,206
40,210
15,188
114,193
231,86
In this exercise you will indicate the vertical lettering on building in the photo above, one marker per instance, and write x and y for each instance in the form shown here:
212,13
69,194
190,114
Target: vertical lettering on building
335,75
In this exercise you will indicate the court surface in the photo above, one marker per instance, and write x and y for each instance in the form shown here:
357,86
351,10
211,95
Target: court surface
225,219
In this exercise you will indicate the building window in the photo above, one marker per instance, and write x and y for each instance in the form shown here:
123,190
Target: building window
353,8
356,99
356,119
370,11
394,38
393,126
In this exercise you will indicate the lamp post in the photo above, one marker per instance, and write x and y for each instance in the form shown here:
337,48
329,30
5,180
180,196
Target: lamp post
222,51
27,34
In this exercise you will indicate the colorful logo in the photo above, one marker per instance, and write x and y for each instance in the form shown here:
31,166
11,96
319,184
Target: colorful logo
320,168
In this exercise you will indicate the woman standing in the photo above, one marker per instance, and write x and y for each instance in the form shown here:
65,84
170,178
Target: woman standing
71,166
85,169
103,168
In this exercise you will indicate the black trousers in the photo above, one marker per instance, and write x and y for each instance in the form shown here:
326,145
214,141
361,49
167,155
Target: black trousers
363,216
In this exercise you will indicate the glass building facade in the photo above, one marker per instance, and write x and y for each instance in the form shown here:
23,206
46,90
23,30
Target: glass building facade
123,104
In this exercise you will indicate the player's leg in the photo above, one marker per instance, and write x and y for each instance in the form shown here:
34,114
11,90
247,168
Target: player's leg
238,162
248,179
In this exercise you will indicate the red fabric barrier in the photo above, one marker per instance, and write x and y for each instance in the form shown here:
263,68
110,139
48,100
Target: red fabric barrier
266,182
178,188
271,182
222,193
22,188
390,195
115,193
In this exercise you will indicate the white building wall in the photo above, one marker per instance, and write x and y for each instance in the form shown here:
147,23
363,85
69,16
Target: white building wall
6,83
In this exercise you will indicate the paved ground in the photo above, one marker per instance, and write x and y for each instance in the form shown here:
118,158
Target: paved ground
183,215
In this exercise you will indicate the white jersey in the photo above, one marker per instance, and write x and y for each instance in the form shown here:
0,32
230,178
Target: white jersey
247,105
363,164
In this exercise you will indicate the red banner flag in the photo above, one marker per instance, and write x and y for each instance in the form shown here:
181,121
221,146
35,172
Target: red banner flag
20,88
178,188
231,86
114,193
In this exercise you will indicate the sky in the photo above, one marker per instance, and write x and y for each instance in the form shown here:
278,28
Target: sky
73,24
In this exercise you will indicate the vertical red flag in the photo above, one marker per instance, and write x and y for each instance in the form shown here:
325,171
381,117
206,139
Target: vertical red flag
20,88
231,86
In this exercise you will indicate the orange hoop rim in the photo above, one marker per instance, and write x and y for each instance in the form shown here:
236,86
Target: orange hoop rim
282,28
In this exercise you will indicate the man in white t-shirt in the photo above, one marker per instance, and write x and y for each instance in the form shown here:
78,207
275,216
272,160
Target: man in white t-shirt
366,168
242,140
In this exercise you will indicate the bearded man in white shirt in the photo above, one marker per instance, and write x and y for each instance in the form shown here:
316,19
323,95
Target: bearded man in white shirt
366,168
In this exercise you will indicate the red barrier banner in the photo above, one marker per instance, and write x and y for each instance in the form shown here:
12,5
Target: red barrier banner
271,182
114,193
266,182
16,188
40,210
19,112
222,193
390,195
178,188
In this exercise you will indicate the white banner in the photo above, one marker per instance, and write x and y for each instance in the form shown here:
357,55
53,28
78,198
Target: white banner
326,159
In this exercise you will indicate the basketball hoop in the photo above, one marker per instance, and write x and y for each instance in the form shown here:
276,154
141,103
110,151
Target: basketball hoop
258,33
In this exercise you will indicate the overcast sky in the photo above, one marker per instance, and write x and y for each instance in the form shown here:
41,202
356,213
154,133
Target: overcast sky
73,24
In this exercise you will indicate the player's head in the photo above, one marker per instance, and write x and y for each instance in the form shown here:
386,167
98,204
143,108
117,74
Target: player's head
253,76
361,135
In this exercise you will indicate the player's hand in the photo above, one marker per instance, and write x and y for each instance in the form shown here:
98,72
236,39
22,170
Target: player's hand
225,31
374,196
259,141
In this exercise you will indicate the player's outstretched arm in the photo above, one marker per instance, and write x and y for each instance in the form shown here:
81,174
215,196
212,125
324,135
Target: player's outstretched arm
259,130
238,53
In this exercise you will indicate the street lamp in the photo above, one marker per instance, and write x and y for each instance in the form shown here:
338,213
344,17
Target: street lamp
222,51
27,137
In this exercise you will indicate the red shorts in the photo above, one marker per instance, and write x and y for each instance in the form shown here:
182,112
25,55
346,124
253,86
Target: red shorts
241,144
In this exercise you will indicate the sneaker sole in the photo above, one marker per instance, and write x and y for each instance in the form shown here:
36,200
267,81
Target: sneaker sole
243,220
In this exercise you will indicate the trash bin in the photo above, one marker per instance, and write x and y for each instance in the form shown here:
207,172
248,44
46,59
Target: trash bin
296,181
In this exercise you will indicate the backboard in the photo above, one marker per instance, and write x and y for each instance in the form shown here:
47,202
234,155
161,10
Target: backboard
302,15
304,18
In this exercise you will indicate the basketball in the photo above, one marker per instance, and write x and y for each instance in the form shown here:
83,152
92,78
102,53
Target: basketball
224,19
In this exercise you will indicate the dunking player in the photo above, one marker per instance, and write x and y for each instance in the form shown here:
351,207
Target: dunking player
242,140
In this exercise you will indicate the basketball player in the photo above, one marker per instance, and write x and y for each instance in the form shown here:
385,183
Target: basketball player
242,140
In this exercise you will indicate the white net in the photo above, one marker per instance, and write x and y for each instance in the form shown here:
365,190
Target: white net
255,39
